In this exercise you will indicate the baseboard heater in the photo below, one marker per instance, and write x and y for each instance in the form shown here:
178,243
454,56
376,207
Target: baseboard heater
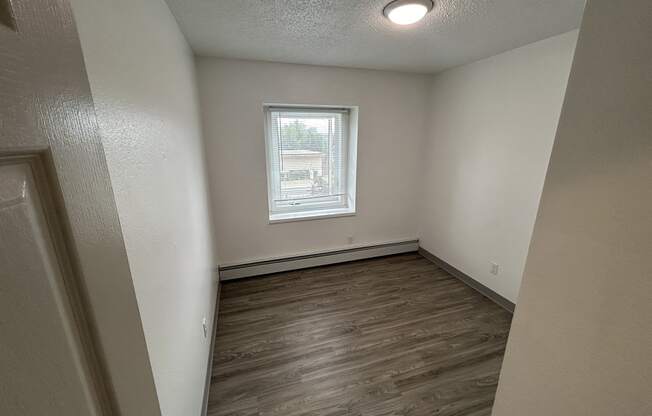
257,268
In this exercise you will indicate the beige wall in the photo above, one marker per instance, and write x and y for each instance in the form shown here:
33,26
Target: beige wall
391,130
141,73
491,129
582,334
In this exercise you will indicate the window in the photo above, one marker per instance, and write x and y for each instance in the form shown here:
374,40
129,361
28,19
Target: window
310,162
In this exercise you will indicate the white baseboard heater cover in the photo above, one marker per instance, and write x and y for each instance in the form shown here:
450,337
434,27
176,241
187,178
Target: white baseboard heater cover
316,259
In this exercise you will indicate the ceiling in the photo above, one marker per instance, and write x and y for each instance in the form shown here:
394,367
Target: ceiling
354,33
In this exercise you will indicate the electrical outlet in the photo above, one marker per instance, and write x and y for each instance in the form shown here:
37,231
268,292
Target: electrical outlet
204,324
494,268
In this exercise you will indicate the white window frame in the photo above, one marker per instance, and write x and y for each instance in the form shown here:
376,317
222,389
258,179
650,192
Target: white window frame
330,206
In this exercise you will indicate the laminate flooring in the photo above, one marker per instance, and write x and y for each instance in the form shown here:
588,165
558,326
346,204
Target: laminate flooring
394,335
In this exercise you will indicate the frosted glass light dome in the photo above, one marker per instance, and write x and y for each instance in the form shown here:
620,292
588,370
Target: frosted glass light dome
407,12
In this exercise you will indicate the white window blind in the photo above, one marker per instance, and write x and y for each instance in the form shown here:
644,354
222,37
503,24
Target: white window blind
307,160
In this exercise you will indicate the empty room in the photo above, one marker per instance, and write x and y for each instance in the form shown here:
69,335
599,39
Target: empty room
325,207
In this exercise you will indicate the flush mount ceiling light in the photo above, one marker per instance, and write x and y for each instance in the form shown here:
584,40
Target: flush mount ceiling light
406,12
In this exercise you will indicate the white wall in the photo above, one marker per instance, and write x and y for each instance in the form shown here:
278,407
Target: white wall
391,130
491,129
141,73
581,337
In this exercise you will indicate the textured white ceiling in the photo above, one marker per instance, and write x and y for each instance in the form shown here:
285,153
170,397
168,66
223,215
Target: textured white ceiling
354,33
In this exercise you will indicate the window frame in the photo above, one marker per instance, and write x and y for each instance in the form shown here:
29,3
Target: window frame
342,204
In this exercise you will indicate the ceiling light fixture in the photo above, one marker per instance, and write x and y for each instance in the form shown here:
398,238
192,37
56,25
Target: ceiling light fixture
406,12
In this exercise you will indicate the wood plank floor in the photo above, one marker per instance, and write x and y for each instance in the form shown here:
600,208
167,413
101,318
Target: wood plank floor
389,336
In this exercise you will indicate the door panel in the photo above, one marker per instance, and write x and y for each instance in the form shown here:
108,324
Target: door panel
41,356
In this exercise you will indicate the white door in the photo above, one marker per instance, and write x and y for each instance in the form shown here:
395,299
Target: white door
71,342
42,359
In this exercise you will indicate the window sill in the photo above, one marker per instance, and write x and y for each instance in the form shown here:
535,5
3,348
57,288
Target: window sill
312,215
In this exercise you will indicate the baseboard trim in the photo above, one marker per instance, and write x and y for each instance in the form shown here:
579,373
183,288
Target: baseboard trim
239,271
209,365
469,281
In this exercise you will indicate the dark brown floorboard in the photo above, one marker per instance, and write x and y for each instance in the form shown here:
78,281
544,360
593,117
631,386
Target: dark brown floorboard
389,336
